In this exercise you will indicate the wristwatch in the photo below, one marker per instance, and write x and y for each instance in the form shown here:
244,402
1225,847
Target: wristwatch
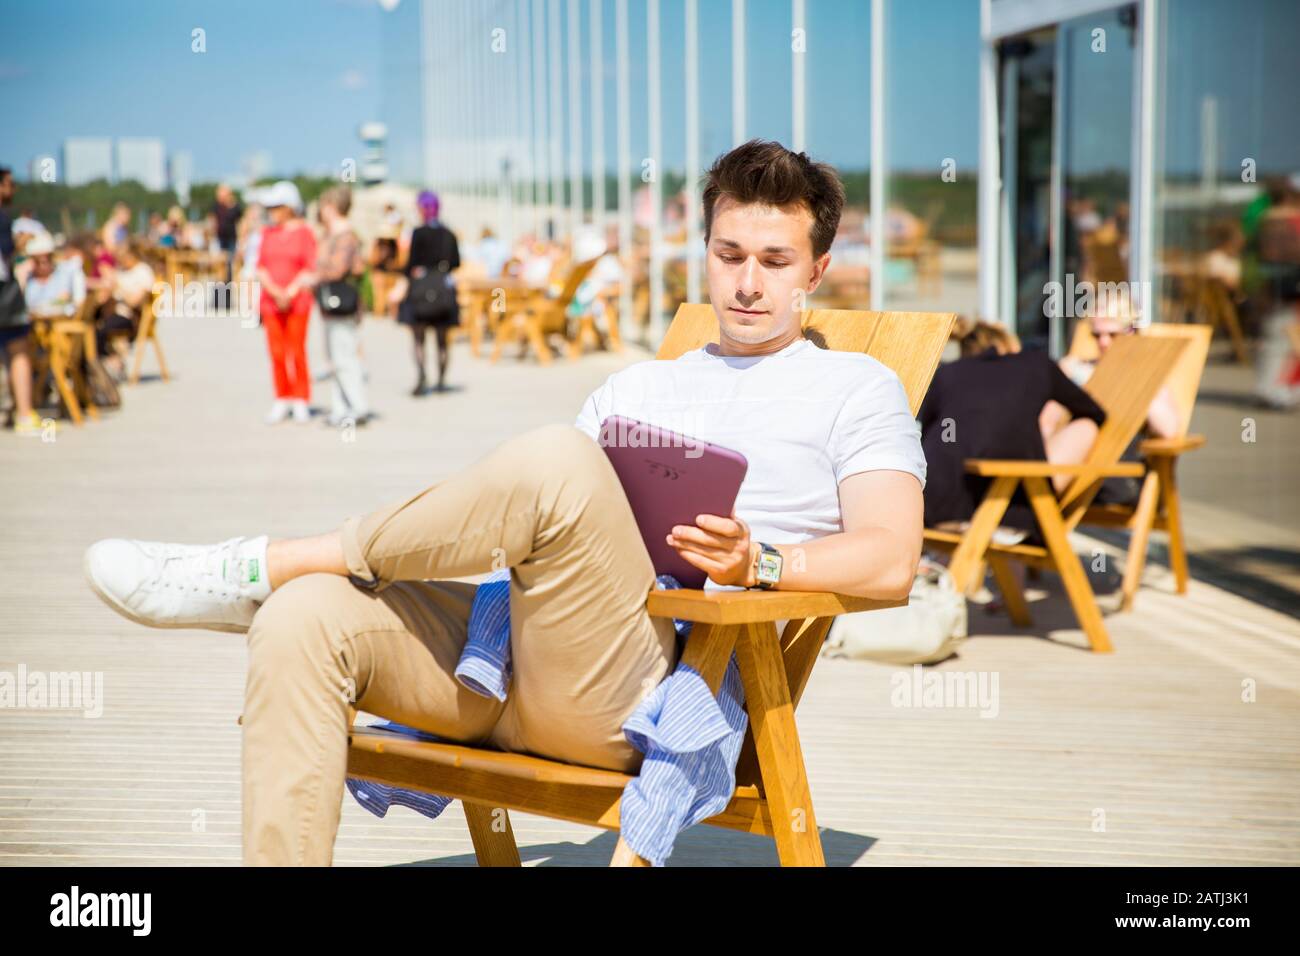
767,566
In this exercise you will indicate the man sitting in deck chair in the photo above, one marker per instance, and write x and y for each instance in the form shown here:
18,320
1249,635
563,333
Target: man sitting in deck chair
365,613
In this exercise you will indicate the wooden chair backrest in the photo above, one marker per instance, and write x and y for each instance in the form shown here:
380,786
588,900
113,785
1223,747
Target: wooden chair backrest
910,343
576,275
1125,383
1184,381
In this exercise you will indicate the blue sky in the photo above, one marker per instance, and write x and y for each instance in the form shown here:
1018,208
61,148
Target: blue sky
296,77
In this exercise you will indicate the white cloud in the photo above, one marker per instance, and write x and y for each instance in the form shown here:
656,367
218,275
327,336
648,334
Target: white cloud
352,79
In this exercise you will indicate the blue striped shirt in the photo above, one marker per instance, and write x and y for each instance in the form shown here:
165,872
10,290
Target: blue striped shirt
691,740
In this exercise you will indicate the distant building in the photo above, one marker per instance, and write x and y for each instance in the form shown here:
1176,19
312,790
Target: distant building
181,169
374,165
256,166
86,159
142,160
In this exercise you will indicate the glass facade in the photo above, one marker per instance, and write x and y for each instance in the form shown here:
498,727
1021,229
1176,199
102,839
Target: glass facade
1011,145
931,155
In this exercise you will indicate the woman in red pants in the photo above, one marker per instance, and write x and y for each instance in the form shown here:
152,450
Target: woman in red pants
284,269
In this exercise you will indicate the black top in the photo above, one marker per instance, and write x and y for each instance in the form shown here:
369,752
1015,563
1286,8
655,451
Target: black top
6,236
431,246
227,218
987,406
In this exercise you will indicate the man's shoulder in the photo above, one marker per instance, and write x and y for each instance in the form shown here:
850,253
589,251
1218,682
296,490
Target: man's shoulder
650,368
838,366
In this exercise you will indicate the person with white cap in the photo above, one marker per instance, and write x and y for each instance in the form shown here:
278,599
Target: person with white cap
51,290
285,263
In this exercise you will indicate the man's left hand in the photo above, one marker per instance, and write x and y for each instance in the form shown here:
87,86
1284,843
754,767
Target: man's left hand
718,546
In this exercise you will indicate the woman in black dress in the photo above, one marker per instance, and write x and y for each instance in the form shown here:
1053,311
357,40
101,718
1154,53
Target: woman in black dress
430,301
987,405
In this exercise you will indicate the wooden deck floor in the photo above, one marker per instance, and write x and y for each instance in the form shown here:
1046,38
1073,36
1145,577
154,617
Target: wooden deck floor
1147,756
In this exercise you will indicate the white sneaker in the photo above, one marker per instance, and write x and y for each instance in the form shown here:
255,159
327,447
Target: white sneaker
213,586
301,413
278,413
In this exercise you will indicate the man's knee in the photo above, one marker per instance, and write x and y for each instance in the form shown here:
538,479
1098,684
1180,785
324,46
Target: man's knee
556,442
554,450
298,630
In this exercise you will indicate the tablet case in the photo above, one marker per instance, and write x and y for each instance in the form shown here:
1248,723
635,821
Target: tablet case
670,478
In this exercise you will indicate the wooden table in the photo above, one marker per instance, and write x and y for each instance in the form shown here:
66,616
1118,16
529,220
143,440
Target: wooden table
64,340
487,300
193,264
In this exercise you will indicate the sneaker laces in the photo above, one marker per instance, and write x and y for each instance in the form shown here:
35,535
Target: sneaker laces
197,568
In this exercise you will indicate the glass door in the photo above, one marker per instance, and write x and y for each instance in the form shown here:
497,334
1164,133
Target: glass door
1066,114
1098,88
1028,90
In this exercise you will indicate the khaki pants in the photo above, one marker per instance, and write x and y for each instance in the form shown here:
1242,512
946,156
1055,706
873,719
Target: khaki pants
546,504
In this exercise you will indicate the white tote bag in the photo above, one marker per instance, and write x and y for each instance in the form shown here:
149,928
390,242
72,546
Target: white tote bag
928,630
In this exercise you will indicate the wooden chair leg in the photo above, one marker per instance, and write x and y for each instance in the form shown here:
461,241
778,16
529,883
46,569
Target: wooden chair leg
81,388
624,855
1234,335
1048,512
1174,521
1012,596
586,329
612,330
1144,518
59,370
475,334
494,840
538,340
505,332
776,740
137,347
157,349
968,556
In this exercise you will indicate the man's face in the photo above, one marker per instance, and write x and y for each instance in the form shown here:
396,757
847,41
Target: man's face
224,196
43,266
760,269
6,188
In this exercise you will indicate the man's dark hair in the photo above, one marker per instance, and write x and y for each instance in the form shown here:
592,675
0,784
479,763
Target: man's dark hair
765,172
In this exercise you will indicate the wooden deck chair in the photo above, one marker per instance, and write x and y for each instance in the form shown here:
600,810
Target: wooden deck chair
540,316
147,334
1124,384
1208,300
60,345
1158,506
587,330
771,795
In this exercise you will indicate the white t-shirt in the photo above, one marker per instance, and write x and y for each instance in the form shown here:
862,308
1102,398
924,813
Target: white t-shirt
805,418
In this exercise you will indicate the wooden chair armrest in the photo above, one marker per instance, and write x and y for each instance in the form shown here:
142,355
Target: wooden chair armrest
753,607
1171,446
993,468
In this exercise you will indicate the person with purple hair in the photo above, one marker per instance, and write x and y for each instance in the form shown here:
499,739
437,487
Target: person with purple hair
430,301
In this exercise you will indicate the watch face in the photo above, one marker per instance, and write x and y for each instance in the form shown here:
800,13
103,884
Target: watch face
769,567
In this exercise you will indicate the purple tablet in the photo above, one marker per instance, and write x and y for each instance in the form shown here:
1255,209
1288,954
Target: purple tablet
669,479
